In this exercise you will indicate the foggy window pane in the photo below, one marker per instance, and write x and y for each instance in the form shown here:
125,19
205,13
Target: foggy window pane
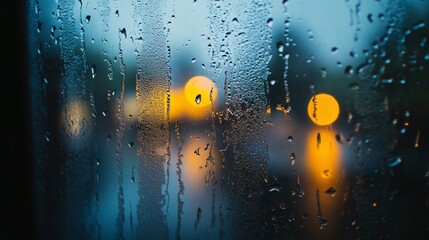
233,119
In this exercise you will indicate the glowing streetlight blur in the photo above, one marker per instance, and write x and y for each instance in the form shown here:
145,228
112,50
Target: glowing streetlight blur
194,101
199,91
324,154
76,117
324,171
197,152
323,109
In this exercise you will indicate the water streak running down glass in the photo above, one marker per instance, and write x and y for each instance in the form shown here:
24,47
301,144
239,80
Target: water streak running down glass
236,119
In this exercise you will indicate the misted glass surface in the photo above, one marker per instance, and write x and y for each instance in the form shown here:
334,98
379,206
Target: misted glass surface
201,119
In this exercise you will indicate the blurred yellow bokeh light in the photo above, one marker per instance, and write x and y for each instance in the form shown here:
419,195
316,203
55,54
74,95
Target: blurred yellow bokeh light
193,101
198,90
76,117
323,109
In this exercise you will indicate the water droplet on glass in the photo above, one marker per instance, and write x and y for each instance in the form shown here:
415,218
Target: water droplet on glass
197,152
331,191
339,138
362,70
354,86
47,137
292,159
334,50
270,22
53,28
272,82
198,99
407,114
419,25
39,27
88,18
349,139
93,71
305,216
381,16
280,48
132,174
104,113
290,139
326,173
131,144
39,49
349,116
323,223
348,71
109,94
199,211
117,13
370,18
298,190
319,139
394,161
109,137
387,81
193,60
275,187
235,20
323,72
123,32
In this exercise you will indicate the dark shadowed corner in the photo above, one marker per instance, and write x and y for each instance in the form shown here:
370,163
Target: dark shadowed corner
15,143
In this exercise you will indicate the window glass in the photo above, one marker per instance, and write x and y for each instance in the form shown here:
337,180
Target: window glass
233,119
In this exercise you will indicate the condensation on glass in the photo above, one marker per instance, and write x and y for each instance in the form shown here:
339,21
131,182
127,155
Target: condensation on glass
233,119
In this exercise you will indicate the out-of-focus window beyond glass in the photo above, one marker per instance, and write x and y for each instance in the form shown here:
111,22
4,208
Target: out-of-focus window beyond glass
201,119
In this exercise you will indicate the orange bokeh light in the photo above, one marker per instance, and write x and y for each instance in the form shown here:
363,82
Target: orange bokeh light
183,103
323,109
323,154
